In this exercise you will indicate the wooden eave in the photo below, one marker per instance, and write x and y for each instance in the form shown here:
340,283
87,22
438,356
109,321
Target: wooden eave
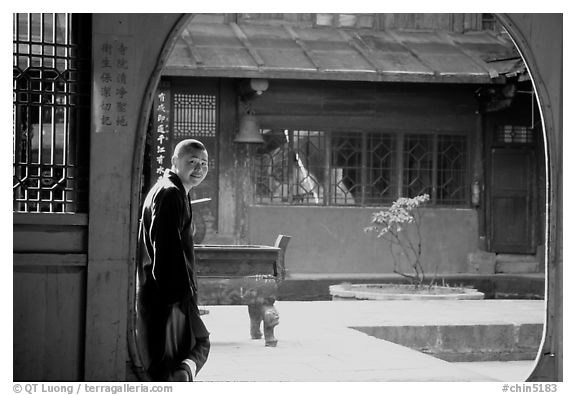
290,52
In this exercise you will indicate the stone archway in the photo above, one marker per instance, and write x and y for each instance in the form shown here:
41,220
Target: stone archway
531,33
544,63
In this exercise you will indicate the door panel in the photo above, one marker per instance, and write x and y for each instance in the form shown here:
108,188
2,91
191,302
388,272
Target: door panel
511,213
49,305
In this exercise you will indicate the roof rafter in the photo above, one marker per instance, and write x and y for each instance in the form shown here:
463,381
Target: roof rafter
366,53
398,41
187,37
247,44
307,51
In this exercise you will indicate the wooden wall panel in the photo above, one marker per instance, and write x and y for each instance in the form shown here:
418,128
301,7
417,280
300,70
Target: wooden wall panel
52,233
323,104
33,238
49,304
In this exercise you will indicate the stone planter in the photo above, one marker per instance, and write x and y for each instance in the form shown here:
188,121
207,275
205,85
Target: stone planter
401,292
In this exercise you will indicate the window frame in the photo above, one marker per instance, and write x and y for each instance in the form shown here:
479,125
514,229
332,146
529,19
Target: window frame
52,77
397,168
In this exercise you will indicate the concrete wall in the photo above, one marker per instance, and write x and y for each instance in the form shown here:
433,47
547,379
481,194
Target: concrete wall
331,240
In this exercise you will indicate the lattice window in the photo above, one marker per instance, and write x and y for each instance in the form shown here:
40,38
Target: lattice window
273,164
308,175
194,114
360,168
325,168
418,165
511,134
51,112
346,168
451,170
380,168
436,165
290,167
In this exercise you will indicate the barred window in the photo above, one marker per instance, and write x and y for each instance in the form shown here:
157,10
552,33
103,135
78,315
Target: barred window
290,167
514,134
194,114
436,165
51,112
359,168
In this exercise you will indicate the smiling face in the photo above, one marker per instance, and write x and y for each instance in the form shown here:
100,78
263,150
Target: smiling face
191,165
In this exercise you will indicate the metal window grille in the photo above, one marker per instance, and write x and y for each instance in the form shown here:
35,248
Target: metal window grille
51,112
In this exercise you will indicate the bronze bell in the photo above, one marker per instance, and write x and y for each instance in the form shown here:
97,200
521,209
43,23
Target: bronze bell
249,131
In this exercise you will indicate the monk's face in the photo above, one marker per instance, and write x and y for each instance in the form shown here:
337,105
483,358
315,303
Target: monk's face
191,166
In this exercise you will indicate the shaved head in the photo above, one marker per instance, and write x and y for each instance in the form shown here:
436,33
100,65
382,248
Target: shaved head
190,162
187,146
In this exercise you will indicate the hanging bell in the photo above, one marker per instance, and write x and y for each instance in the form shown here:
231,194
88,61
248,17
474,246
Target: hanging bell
249,131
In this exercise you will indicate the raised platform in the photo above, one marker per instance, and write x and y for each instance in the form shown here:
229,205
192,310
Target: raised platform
311,286
465,343
468,331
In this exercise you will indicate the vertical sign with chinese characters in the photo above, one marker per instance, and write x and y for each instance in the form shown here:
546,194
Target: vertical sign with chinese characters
113,73
161,139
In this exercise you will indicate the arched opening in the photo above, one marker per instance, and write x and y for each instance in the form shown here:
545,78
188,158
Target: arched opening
179,29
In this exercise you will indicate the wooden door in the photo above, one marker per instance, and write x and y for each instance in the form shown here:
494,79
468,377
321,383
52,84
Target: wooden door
511,201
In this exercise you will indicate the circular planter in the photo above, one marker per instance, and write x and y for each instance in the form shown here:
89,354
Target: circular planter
401,292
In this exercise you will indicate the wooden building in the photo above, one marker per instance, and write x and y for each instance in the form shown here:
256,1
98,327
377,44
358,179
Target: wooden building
354,113
353,110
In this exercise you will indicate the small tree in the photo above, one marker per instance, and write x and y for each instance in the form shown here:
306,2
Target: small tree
391,225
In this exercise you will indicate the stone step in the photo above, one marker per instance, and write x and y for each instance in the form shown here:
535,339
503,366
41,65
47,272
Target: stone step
516,263
465,343
516,258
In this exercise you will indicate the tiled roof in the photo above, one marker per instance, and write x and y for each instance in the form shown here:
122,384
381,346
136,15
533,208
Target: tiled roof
283,51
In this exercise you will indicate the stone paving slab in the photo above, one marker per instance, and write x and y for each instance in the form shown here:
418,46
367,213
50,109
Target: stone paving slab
316,343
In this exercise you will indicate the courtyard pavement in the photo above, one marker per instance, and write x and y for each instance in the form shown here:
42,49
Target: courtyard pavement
317,344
